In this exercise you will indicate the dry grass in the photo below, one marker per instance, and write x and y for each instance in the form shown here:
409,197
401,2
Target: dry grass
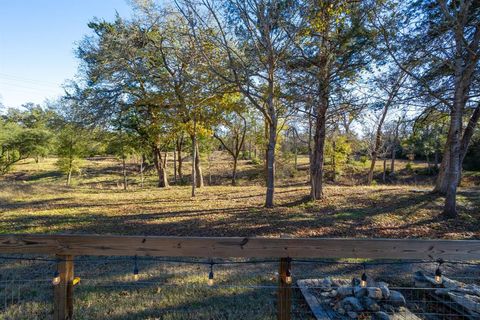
34,200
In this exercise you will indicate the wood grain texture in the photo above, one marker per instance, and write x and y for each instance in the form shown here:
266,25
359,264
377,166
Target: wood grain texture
108,245
63,292
284,298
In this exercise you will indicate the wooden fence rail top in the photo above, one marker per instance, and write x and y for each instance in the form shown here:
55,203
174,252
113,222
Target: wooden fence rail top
110,245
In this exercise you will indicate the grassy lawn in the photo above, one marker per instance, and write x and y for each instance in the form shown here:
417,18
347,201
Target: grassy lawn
34,199
38,202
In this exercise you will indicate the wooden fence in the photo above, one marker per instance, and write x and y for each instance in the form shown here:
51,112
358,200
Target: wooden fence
66,247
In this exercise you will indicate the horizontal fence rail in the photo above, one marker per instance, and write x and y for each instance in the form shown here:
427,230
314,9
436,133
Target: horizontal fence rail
66,247
207,247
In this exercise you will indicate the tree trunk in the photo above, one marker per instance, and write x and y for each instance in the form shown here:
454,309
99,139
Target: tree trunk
272,141
124,171
295,149
392,162
334,162
69,177
467,137
160,167
378,142
179,157
198,167
194,155
142,168
234,171
453,173
441,182
175,164
310,149
384,176
316,183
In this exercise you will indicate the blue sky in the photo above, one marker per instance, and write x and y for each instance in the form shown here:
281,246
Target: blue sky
37,42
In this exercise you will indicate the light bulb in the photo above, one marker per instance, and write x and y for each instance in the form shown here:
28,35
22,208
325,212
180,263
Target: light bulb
136,276
135,270
288,277
363,281
210,278
56,278
438,276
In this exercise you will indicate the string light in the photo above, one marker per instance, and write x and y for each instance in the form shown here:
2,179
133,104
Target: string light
288,273
438,273
56,277
363,279
135,270
288,277
210,275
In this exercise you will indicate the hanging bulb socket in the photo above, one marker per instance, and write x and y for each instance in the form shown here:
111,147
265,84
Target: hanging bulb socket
363,280
438,276
136,276
56,278
438,272
288,277
210,276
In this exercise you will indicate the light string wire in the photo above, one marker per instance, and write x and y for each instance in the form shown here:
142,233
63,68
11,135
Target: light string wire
210,262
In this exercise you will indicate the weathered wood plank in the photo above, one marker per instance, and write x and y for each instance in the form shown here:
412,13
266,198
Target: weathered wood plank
63,292
316,306
284,307
109,245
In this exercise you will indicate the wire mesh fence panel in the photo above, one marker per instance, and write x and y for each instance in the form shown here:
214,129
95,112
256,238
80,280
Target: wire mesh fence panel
25,290
163,288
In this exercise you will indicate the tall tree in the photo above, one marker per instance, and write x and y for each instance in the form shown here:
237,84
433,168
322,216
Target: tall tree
440,44
334,47
251,37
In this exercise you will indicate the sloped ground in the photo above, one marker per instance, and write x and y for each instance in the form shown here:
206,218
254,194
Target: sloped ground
34,199
40,203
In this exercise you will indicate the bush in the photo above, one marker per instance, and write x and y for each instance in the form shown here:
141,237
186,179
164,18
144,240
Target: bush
409,166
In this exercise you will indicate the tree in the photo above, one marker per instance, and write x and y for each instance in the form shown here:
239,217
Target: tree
333,47
440,51
72,145
391,86
252,39
231,135
21,138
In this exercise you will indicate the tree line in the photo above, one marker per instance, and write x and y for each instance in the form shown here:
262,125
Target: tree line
337,78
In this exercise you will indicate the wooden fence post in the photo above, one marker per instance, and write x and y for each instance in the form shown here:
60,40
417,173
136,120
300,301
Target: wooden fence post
284,290
63,292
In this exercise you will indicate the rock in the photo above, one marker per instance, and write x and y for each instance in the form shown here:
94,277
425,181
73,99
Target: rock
375,293
388,308
370,304
325,294
341,311
385,292
333,293
380,315
327,282
360,292
353,302
352,314
396,299
344,291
